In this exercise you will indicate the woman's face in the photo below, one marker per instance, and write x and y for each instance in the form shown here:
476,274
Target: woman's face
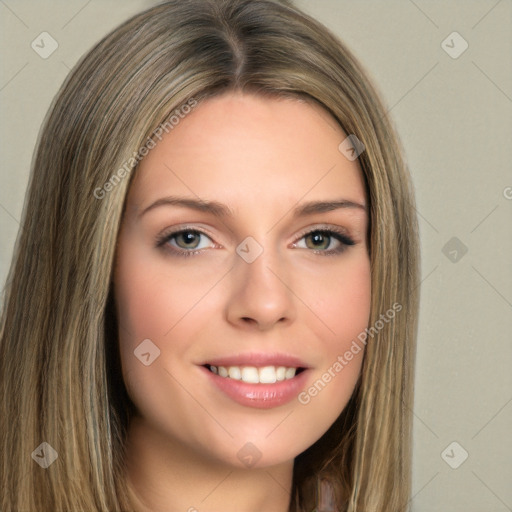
230,262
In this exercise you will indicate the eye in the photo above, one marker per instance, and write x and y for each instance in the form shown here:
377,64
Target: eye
184,242
325,241
188,242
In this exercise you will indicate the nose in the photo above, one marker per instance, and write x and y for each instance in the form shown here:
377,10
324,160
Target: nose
261,295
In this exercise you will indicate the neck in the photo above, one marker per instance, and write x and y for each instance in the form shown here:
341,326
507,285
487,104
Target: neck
164,475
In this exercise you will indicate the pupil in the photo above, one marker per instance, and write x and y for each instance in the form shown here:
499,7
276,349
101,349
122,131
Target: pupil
318,239
188,237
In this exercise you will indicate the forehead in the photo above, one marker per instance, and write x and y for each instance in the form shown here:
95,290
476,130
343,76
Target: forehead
246,149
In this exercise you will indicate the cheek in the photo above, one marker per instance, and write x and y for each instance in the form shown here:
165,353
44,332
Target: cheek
156,304
147,309
350,303
342,300
349,313
151,297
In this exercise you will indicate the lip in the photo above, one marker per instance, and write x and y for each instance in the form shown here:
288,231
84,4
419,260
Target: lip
259,396
257,359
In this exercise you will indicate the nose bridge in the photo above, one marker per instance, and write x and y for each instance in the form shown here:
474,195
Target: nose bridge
260,292
258,265
256,261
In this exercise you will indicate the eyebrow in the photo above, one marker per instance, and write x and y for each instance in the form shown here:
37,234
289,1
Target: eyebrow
221,210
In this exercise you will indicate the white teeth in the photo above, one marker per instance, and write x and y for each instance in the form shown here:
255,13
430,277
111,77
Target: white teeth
234,373
290,373
250,374
253,375
281,373
267,375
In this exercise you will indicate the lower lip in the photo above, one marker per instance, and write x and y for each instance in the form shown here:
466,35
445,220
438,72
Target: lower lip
259,396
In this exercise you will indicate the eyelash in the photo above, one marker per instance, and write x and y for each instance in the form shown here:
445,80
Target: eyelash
344,240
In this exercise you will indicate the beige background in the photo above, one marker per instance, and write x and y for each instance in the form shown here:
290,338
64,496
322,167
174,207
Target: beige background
455,120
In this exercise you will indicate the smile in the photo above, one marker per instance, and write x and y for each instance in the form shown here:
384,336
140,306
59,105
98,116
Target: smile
255,375
260,387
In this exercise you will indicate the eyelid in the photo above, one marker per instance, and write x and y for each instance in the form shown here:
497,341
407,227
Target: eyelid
345,241
324,227
337,232
165,235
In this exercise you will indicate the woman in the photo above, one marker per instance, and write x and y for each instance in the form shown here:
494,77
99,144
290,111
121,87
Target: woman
248,371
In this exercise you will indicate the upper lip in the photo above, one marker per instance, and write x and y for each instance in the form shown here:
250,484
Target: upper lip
257,359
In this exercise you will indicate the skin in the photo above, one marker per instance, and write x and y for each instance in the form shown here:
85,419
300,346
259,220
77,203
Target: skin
261,157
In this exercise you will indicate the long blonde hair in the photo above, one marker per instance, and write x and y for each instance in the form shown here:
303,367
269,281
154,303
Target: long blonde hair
60,379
